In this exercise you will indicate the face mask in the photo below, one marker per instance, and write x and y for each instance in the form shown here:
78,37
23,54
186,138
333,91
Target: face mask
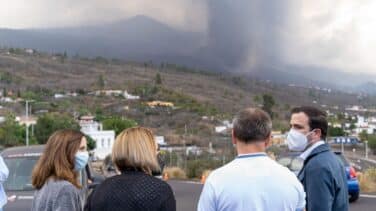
297,141
80,160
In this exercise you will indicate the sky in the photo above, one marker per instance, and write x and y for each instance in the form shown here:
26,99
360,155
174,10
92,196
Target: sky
335,34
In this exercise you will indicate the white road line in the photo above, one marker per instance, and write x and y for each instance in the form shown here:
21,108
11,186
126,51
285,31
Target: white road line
368,196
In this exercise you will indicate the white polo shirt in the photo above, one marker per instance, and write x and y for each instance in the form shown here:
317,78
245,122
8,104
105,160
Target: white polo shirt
252,182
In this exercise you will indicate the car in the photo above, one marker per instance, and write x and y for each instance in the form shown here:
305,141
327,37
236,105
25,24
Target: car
352,180
292,161
18,187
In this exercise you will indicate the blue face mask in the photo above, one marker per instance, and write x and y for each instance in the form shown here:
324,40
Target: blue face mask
80,160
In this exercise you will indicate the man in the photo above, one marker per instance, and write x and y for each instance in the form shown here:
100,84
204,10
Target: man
252,181
323,175
4,172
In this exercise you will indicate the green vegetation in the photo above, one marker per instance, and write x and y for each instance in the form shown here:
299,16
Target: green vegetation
6,77
51,122
372,143
186,102
180,100
118,124
91,144
17,51
195,168
101,81
367,180
268,103
11,133
336,131
363,135
158,79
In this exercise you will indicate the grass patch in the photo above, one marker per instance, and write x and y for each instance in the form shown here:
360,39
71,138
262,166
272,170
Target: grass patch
367,180
174,173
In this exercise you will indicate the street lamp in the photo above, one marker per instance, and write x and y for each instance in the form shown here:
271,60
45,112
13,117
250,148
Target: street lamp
27,119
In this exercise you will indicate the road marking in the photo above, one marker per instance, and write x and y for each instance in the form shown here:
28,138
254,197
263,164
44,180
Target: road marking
368,196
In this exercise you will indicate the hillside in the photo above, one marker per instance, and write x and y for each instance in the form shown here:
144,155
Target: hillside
195,93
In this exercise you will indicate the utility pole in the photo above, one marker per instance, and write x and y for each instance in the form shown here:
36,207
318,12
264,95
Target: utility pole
185,147
27,123
342,147
27,120
366,142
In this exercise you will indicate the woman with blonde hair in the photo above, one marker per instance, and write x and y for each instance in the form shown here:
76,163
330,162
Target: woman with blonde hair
55,175
134,154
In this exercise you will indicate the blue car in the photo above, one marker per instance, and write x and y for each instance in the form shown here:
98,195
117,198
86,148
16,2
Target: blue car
292,162
352,180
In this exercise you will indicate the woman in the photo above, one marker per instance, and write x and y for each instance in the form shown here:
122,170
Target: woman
55,175
134,154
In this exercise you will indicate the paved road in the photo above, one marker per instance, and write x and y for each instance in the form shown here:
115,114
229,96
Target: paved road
187,195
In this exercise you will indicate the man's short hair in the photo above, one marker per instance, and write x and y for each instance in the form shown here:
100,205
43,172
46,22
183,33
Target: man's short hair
252,125
316,118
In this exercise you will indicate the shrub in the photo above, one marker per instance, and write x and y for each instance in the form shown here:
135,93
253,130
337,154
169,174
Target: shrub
367,180
174,173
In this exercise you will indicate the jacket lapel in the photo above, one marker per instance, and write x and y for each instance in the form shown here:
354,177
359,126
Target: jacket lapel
318,150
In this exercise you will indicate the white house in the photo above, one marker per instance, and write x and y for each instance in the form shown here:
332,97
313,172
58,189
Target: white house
22,120
29,51
365,124
59,96
220,129
7,100
191,149
160,140
130,97
104,139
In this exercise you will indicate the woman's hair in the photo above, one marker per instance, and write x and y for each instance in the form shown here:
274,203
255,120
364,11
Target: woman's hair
135,148
57,160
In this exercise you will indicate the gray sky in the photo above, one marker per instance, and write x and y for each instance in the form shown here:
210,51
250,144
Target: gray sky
339,34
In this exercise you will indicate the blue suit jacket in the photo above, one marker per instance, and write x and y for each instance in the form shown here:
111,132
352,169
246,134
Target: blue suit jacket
324,179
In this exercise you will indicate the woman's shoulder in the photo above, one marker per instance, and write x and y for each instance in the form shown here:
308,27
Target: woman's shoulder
135,180
62,186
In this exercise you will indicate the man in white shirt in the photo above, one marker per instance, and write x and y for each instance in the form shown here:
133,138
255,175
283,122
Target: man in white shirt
252,181
4,172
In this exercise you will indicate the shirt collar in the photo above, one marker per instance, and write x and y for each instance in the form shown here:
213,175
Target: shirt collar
258,154
308,151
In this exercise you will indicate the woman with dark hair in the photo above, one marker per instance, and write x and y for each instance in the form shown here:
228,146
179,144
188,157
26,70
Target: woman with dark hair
55,175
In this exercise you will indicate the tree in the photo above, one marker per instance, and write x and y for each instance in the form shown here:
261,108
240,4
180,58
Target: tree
352,126
268,103
257,99
145,66
372,143
51,122
64,57
91,144
158,79
118,124
11,133
363,135
336,131
101,81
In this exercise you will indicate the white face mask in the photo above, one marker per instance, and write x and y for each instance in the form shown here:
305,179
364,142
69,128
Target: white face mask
297,141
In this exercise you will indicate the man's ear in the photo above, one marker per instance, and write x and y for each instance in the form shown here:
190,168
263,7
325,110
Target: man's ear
268,141
318,133
233,139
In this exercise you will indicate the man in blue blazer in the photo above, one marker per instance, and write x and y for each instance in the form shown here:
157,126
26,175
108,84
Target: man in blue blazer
323,175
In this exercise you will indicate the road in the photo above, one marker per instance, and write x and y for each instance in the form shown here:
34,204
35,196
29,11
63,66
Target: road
187,195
